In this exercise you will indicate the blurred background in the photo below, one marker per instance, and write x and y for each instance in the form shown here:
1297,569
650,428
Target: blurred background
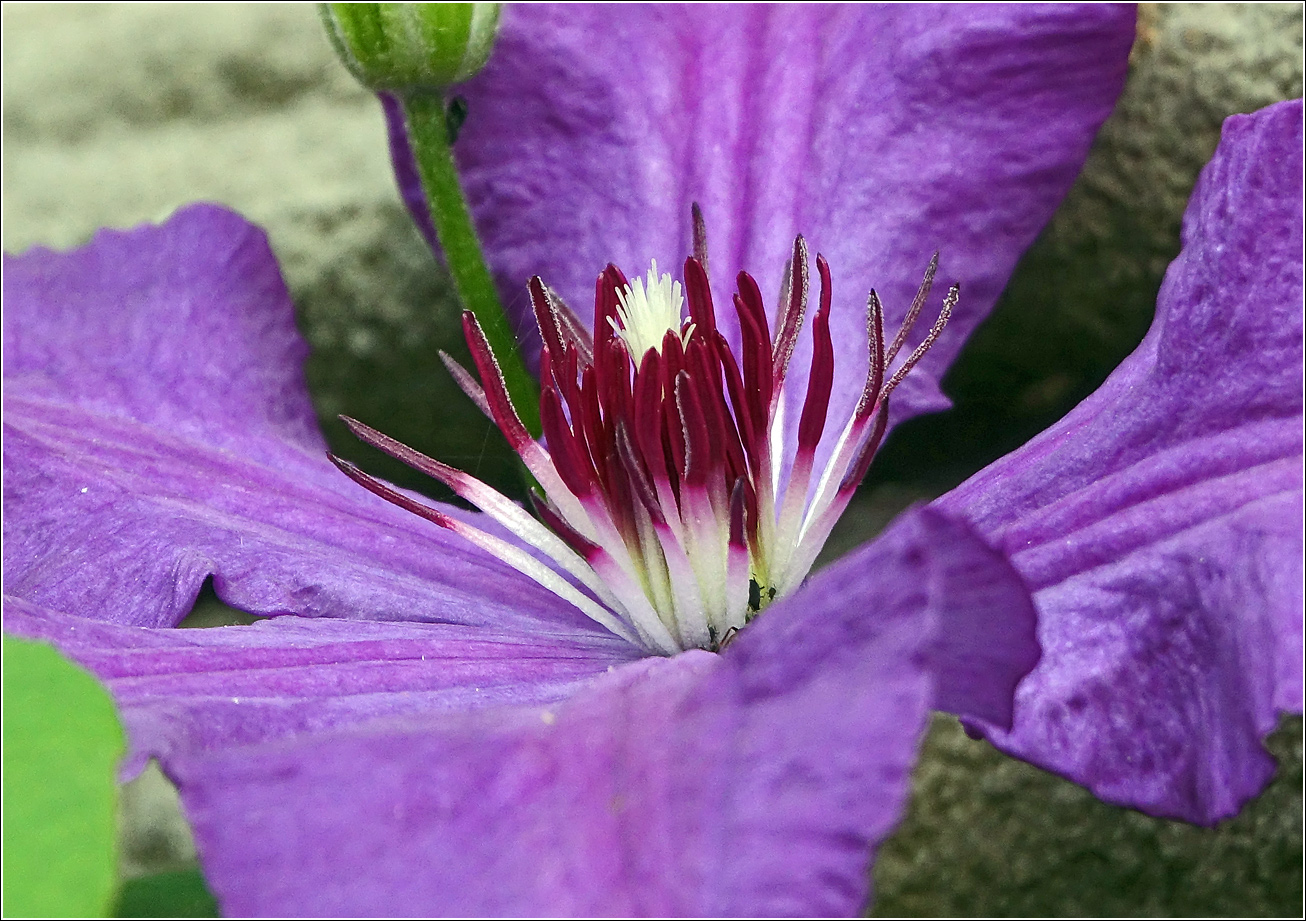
116,114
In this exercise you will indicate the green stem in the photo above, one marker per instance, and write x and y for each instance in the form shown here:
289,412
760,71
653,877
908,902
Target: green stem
428,134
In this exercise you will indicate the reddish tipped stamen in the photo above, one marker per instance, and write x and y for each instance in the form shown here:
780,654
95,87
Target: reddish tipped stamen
954,293
496,389
791,321
821,378
699,296
660,474
700,235
914,311
875,362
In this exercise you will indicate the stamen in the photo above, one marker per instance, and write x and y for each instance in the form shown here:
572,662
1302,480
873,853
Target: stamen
577,336
515,557
954,294
665,450
914,310
700,300
466,383
700,235
791,320
489,500
821,378
875,359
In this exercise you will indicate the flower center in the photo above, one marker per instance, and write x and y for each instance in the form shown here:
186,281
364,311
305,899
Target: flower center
646,314
671,493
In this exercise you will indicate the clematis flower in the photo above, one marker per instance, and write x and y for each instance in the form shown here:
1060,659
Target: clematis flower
423,730
1116,548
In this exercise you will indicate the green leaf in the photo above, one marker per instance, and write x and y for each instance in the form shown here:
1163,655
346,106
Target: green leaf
62,742
177,894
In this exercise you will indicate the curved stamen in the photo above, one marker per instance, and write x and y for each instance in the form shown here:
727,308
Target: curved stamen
515,557
791,320
665,449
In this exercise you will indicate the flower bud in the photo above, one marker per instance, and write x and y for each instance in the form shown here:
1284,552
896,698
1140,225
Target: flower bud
402,47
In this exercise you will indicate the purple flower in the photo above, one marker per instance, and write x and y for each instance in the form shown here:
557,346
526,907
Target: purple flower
424,731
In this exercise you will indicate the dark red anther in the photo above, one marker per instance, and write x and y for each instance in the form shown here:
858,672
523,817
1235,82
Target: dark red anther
572,329
609,282
401,452
568,457
821,378
875,360
673,357
743,402
606,303
625,399
568,387
700,234
791,318
589,425
706,372
698,441
750,507
546,367
372,484
647,414
737,512
496,391
673,362
756,341
545,318
673,439
620,498
699,296
862,460
641,485
614,387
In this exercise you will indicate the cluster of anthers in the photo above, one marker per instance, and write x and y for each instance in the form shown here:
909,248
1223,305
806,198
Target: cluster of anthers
672,506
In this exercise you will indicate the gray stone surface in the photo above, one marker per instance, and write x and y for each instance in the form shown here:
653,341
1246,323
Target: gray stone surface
116,114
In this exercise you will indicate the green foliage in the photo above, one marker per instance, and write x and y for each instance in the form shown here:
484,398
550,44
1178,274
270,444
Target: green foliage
179,894
62,742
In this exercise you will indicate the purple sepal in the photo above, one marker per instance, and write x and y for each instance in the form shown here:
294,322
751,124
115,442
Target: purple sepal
753,782
182,691
883,134
158,431
1159,524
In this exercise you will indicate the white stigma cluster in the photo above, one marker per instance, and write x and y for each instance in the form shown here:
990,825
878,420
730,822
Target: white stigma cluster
647,314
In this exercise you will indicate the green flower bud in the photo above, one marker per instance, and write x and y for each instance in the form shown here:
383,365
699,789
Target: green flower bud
405,47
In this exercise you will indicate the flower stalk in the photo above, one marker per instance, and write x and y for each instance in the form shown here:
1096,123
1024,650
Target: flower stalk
416,52
428,132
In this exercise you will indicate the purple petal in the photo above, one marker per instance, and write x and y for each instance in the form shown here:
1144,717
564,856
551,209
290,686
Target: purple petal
157,431
1159,524
882,133
186,690
753,782
986,642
